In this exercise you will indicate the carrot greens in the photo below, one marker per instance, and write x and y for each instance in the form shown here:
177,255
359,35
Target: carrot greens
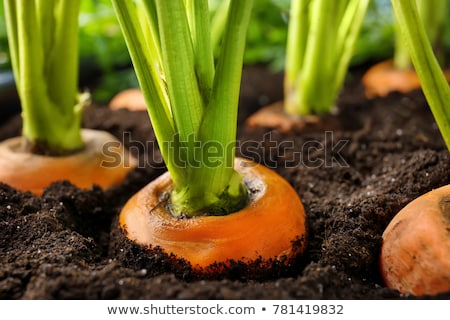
321,37
43,42
433,81
192,99
434,14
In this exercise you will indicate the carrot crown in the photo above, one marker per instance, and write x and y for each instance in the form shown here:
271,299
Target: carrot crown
432,79
43,41
192,100
321,37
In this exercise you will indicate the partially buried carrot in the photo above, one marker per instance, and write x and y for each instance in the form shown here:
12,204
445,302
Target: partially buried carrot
102,161
415,253
131,99
266,228
384,78
43,42
208,208
315,67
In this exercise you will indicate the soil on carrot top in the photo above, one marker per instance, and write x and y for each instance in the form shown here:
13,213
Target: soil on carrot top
352,180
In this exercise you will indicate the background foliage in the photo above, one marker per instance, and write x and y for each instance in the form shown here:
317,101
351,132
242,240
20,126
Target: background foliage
104,55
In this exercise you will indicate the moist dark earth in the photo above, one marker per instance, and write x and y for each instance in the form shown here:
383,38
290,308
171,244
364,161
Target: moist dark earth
353,174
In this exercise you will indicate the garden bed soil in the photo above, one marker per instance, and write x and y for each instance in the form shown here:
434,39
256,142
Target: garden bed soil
352,177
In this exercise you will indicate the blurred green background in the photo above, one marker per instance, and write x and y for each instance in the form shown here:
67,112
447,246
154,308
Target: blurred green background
105,63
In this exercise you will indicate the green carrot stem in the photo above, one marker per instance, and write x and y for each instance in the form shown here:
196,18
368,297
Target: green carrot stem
296,46
401,58
192,104
43,39
434,15
216,185
141,35
434,84
179,66
202,43
218,22
321,38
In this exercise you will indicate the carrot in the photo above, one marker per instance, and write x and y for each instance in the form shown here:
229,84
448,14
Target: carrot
266,227
315,67
131,99
43,41
275,117
193,101
415,252
428,19
96,164
384,78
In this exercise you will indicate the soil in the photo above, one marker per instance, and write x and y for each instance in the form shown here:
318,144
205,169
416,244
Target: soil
352,177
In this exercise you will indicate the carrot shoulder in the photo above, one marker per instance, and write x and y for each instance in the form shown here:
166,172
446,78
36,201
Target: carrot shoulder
103,161
415,253
131,99
266,228
384,78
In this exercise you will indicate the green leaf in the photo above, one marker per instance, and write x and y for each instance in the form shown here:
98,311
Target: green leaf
43,40
432,79
321,39
191,102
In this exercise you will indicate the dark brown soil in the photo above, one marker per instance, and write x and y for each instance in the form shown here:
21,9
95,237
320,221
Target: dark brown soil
380,155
